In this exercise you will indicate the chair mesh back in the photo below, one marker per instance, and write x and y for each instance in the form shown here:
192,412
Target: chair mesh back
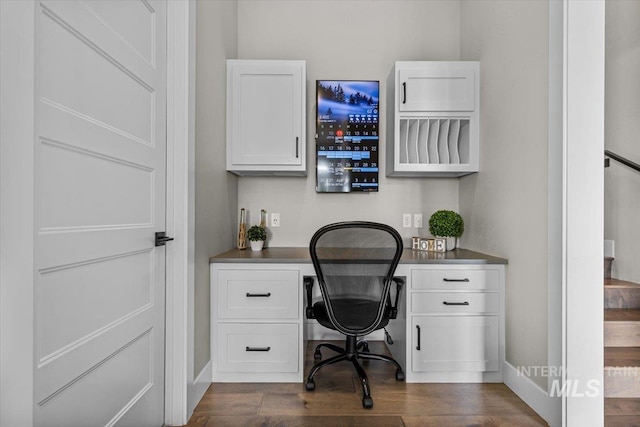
355,262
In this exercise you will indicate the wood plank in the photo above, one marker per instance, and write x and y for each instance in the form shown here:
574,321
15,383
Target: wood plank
236,404
622,407
617,283
305,421
472,420
621,356
621,334
621,421
622,297
621,315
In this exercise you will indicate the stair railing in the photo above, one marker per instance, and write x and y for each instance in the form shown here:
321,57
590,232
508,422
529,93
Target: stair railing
620,159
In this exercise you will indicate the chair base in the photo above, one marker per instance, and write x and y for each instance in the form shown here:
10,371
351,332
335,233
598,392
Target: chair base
352,351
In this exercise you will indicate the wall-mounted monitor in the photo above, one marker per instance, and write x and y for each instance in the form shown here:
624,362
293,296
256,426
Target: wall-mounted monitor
347,113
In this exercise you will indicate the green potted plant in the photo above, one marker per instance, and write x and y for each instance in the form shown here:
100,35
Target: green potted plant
256,235
446,224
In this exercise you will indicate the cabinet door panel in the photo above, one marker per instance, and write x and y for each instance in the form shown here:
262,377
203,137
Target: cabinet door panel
265,108
455,343
450,89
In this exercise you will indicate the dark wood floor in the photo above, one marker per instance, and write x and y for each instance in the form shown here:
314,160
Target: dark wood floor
337,401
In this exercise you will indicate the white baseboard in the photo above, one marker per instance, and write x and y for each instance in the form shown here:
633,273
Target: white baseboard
200,385
549,408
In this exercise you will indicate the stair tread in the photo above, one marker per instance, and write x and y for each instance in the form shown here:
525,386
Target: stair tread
621,356
621,315
617,283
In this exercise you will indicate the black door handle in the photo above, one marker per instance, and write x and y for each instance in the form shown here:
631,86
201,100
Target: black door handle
161,238
418,346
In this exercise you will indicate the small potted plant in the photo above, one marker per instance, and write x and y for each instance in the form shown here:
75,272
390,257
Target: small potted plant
256,235
446,224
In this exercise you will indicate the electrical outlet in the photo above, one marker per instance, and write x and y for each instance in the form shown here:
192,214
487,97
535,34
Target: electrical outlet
417,220
406,220
275,219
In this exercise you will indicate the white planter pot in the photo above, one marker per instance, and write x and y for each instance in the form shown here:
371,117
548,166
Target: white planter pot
257,245
451,242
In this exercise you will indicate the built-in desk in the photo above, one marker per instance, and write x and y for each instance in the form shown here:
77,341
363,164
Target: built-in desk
450,326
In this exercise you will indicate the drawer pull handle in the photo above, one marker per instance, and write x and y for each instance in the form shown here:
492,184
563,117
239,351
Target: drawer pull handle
249,295
404,92
455,303
418,346
258,348
456,280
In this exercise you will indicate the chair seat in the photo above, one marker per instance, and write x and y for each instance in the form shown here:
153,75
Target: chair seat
355,313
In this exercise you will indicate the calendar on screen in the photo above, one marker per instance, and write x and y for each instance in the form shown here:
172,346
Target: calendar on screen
347,113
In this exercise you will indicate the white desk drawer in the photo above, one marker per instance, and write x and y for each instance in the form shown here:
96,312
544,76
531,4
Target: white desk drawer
455,343
255,347
455,279
258,294
455,302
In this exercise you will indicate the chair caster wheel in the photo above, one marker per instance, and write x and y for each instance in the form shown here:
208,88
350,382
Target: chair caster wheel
399,375
365,348
367,402
317,355
310,385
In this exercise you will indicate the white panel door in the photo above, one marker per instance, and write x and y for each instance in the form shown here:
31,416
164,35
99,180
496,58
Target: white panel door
100,166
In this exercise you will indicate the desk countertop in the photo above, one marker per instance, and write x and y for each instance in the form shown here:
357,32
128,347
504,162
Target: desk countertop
297,255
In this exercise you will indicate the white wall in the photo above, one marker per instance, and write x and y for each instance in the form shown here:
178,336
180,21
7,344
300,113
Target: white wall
622,130
216,190
505,205
345,40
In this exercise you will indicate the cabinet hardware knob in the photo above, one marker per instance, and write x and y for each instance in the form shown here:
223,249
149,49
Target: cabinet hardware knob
455,303
456,280
249,295
258,348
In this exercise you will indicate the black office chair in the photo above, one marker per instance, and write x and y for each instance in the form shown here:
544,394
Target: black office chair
354,264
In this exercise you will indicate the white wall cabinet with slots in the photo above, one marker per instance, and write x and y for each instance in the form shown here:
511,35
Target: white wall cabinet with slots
266,103
434,128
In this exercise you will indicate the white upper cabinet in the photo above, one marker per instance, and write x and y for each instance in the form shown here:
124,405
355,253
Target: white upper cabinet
435,127
266,117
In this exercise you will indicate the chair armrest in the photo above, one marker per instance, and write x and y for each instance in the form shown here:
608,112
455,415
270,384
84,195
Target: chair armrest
399,284
308,286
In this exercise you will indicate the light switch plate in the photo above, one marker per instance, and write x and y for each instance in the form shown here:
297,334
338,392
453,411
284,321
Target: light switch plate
417,220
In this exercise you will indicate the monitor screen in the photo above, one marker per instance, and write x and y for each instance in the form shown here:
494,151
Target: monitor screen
347,114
